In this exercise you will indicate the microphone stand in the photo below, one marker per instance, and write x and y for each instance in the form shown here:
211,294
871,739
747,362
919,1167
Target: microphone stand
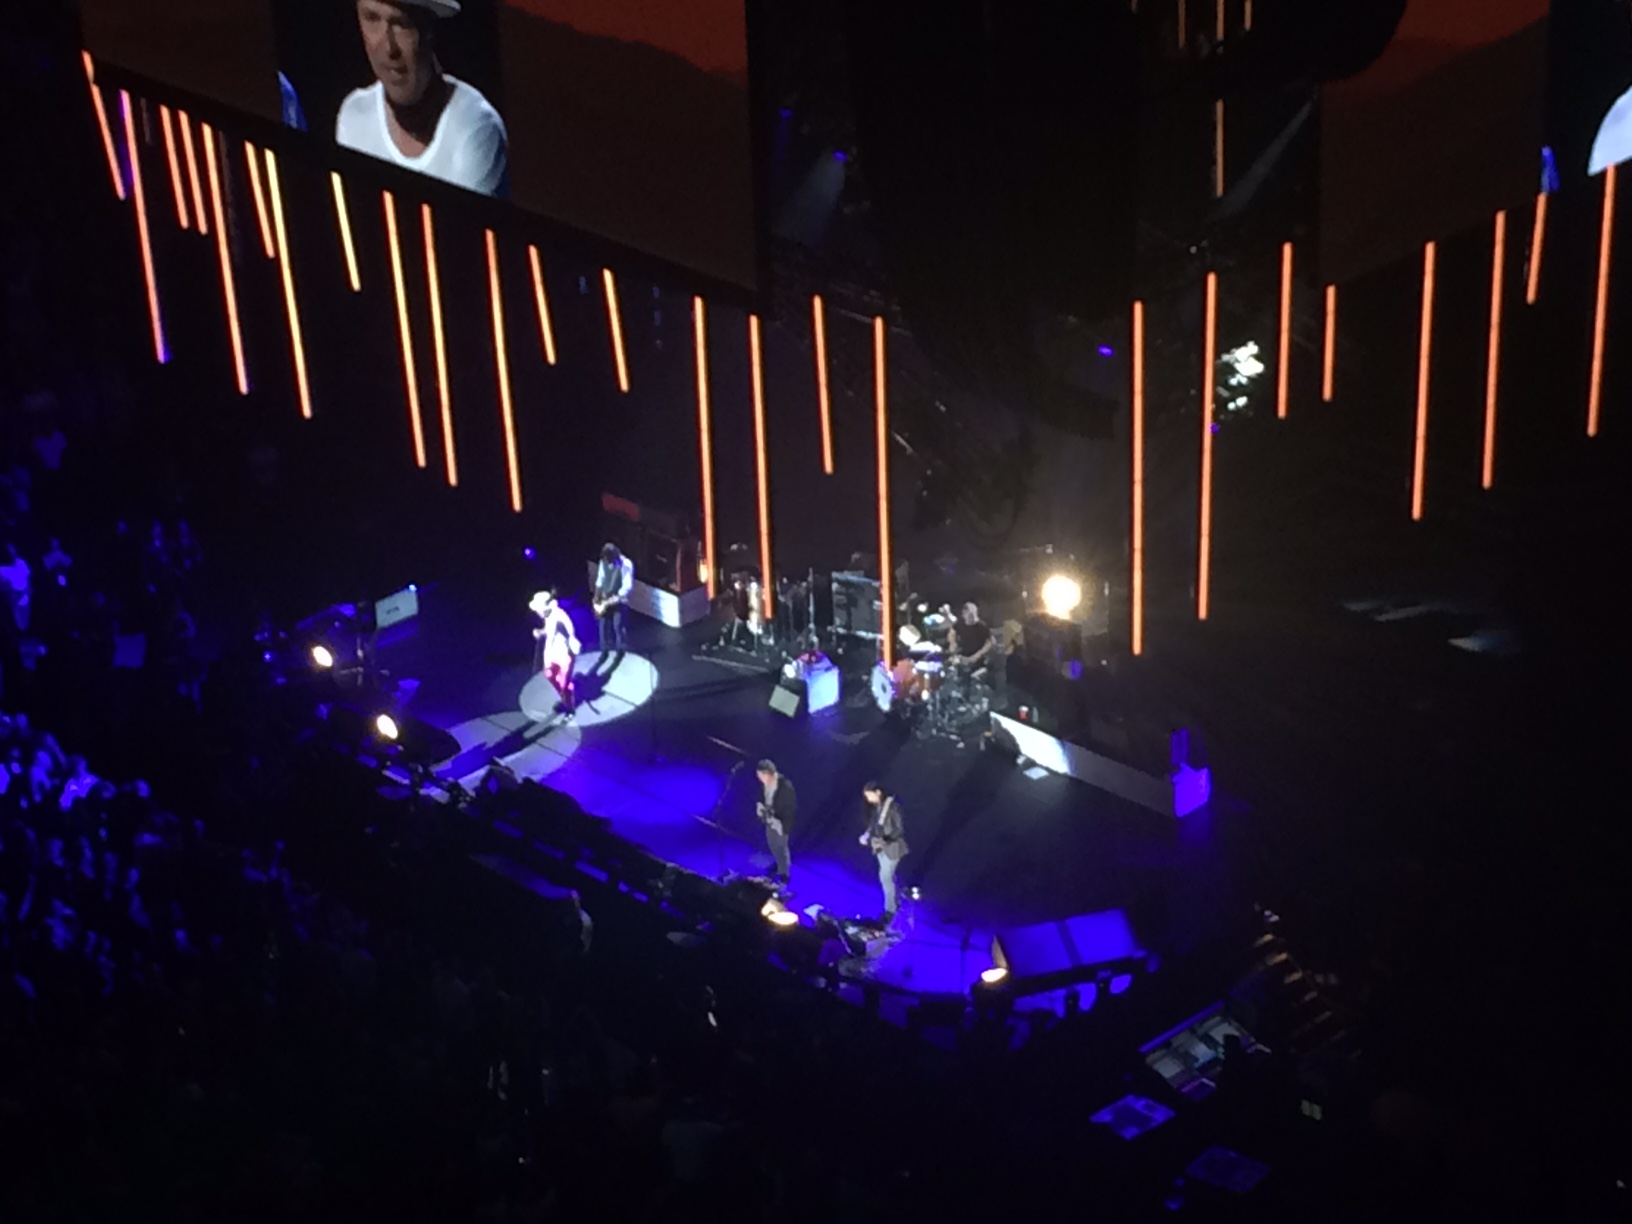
713,816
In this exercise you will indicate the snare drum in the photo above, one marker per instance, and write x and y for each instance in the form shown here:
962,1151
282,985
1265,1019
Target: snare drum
927,676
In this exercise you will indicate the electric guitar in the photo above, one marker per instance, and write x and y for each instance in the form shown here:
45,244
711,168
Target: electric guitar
767,816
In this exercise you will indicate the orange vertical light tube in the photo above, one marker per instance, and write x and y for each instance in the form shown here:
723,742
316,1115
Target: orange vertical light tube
1329,349
886,562
1209,374
1218,108
410,376
818,315
1600,317
1538,239
344,219
1493,360
1184,21
229,287
1283,364
252,160
1137,526
705,438
439,346
1246,17
1425,354
175,168
1218,148
160,349
102,123
501,361
615,319
541,296
193,178
296,341
761,466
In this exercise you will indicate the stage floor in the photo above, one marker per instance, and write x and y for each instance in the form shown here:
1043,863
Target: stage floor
654,748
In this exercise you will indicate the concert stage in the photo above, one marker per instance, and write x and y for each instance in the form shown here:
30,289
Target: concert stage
664,745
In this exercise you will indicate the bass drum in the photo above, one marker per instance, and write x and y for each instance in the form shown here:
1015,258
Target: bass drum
883,684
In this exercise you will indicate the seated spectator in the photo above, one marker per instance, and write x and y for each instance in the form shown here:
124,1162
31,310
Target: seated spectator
15,585
55,562
78,784
49,444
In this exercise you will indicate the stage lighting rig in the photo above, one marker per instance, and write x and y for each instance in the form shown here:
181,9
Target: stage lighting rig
322,657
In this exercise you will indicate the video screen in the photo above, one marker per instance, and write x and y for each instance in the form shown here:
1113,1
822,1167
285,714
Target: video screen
626,119
1442,130
218,49
1592,86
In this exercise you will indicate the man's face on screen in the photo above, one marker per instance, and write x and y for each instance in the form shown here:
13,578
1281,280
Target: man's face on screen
398,41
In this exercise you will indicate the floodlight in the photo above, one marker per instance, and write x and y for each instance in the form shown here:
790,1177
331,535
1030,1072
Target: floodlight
1061,596
386,727
323,657
994,975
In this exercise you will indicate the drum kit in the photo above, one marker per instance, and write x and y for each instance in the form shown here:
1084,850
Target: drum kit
937,695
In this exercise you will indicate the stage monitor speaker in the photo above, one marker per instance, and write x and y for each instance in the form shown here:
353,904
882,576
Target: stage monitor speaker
787,701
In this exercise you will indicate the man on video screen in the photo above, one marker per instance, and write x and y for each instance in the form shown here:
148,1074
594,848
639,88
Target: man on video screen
1614,143
415,114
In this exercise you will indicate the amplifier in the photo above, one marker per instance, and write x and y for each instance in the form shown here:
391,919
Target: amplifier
858,606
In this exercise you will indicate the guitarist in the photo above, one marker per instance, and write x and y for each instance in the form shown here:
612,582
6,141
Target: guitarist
614,579
777,807
886,838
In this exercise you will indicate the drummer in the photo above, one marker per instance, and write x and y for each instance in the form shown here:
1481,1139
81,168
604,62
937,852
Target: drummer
974,639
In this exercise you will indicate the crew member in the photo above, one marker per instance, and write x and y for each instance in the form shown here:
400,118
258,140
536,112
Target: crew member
416,115
777,807
614,580
975,640
886,836
557,645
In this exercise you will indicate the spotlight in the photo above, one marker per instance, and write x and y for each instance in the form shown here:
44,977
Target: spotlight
994,975
386,727
323,657
702,570
1061,596
784,918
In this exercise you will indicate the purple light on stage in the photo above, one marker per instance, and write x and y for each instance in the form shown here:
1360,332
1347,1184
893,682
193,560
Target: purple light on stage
1121,982
529,554
840,155
1214,426
786,113
1106,350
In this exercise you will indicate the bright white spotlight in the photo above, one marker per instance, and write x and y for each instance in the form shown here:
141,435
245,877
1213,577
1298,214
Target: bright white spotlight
323,657
994,975
386,727
784,918
1061,596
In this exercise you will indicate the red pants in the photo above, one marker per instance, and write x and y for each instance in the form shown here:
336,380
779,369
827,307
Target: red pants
560,674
